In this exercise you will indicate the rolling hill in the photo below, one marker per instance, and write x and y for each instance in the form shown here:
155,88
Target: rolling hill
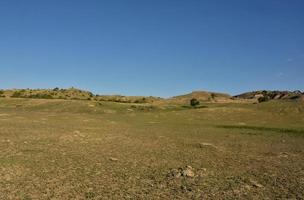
202,96
272,95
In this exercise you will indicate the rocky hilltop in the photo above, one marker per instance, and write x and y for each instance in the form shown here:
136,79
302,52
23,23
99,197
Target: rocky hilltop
265,95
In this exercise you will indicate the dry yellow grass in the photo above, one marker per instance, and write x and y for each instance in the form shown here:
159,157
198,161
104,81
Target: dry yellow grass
63,149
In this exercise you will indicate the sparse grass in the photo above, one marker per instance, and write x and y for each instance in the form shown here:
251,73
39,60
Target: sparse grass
62,149
265,129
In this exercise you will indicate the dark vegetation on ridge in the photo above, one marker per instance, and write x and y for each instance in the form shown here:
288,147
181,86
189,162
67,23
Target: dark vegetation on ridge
266,95
201,96
73,94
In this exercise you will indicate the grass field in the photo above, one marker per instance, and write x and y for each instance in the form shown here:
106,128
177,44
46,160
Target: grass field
69,149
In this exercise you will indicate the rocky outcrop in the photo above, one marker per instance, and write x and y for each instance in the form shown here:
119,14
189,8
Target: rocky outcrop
265,95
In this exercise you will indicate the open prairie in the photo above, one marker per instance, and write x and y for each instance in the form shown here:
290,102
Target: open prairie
78,149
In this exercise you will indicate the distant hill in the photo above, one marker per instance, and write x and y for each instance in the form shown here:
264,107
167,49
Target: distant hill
202,96
73,94
264,95
56,93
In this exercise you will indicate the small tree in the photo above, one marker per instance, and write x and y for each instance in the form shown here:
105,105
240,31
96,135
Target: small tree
194,102
17,94
2,93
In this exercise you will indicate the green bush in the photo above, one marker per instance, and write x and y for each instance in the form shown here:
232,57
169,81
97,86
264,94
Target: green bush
17,94
194,102
40,96
143,100
263,99
2,93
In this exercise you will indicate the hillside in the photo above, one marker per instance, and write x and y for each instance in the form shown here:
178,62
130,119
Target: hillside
202,96
56,93
265,95
73,94
127,99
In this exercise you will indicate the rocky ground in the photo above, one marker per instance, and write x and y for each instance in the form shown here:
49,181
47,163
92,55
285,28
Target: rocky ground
68,149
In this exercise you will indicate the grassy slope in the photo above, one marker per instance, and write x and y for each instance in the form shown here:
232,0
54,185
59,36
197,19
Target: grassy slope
202,96
71,93
74,94
62,149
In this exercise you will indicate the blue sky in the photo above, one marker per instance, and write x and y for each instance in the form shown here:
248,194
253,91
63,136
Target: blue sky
159,47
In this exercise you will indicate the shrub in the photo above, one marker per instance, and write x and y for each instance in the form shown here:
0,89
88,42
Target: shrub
263,99
2,93
142,100
194,102
40,96
17,94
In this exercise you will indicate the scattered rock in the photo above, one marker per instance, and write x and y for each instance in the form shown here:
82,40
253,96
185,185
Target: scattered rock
188,171
256,184
109,111
113,159
178,175
79,134
202,172
175,173
183,187
247,187
283,155
189,167
205,144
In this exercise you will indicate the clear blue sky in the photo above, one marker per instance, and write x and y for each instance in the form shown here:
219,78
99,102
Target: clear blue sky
152,47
